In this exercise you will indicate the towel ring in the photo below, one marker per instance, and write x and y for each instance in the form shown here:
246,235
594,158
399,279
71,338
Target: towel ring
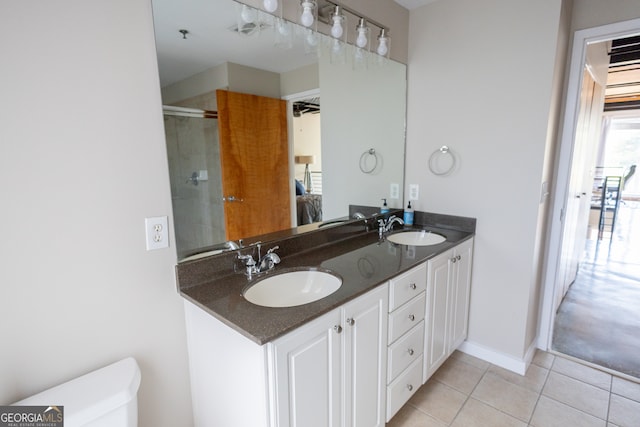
443,151
363,160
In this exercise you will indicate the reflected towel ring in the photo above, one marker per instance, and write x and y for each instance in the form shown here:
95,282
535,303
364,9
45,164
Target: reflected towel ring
363,160
437,155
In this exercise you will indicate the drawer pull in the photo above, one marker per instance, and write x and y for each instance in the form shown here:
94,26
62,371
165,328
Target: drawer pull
413,286
410,352
409,387
337,328
351,321
412,317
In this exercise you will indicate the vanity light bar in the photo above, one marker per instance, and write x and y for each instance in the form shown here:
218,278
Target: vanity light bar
331,13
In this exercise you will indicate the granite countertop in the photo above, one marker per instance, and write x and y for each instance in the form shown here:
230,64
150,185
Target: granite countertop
361,260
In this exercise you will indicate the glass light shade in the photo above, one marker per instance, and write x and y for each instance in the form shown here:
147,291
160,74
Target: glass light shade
307,18
383,46
270,5
336,28
363,32
247,14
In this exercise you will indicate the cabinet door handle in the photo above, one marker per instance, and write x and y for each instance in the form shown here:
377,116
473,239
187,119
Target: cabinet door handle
351,321
409,387
337,328
458,257
410,352
412,317
413,286
453,259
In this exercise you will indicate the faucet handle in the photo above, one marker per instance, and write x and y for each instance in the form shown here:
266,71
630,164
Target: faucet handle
248,259
273,249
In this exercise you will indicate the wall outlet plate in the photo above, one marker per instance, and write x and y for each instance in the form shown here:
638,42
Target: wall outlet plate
157,232
414,191
394,191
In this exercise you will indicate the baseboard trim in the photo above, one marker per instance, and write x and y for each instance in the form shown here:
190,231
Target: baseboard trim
506,361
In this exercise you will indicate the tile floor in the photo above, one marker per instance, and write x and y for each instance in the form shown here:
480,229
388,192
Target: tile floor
598,320
470,392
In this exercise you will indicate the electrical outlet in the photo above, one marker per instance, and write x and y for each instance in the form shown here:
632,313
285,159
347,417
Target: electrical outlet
414,191
394,192
157,232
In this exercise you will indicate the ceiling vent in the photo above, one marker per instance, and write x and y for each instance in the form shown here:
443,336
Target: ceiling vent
249,28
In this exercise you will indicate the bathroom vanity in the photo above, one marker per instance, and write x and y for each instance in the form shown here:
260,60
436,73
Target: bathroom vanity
352,358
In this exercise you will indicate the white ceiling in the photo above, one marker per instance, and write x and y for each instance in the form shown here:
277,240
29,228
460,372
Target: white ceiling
211,43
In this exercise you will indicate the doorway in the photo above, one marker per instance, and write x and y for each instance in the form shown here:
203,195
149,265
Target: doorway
560,271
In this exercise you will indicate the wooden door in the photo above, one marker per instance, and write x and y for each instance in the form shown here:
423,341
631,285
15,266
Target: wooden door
254,154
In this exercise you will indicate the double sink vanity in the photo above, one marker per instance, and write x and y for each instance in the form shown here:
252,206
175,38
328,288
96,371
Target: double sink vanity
341,332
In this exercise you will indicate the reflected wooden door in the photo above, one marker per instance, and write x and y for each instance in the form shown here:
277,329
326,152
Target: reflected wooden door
254,156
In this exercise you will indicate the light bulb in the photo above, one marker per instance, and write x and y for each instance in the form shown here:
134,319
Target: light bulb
283,27
270,5
337,46
306,18
383,47
361,40
247,14
336,29
311,38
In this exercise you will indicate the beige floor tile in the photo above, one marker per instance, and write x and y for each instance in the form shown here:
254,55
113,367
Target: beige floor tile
507,397
551,413
533,380
409,416
582,372
626,388
624,412
471,360
459,375
579,395
543,359
438,400
477,414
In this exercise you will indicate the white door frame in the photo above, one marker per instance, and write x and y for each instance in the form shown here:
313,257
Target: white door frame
563,165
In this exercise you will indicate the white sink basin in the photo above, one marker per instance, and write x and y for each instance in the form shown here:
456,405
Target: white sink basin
292,288
416,238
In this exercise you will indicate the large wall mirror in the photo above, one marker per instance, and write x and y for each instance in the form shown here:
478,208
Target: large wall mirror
343,130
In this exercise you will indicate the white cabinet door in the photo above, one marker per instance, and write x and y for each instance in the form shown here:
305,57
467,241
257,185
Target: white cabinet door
460,289
447,318
436,339
365,348
307,374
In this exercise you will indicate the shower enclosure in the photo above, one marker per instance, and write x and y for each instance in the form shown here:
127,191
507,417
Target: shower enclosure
196,183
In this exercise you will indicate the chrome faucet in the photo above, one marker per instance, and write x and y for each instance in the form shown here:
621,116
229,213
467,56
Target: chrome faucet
266,263
386,226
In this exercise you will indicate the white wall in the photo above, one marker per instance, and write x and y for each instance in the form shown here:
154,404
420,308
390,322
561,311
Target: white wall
82,163
361,109
481,80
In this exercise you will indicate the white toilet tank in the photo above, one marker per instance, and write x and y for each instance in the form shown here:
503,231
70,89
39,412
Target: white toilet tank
106,397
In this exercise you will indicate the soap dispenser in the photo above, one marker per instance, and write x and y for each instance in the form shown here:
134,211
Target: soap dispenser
408,215
384,209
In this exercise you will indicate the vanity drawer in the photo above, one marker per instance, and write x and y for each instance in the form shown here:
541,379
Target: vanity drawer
407,286
401,390
406,317
406,350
